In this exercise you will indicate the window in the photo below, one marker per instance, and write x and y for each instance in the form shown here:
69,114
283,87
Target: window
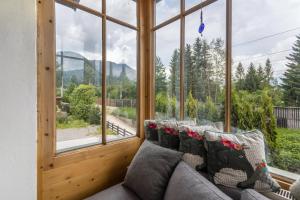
192,89
266,80
167,91
204,64
80,90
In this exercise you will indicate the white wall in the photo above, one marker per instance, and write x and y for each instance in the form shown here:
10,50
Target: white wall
18,124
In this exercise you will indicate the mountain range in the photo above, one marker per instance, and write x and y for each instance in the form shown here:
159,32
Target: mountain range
73,66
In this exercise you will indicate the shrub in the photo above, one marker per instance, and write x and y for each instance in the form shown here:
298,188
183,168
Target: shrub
95,116
208,110
82,100
255,111
161,102
191,106
129,113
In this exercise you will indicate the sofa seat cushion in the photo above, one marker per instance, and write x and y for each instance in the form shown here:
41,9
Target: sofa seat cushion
187,183
116,192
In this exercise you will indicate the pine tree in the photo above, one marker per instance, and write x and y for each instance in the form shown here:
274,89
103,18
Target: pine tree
251,80
260,77
268,73
218,66
160,77
291,79
197,87
174,74
240,77
188,70
207,69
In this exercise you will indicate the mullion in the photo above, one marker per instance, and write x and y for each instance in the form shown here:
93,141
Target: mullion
103,110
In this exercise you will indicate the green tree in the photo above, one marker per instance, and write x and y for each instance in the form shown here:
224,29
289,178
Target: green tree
260,77
268,73
82,101
197,81
240,77
189,78
251,80
160,76
218,66
290,80
89,73
174,75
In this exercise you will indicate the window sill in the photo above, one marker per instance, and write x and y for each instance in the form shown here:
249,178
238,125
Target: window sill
284,176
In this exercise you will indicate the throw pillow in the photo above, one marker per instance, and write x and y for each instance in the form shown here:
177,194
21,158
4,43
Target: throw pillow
295,189
192,144
238,160
168,135
149,173
151,131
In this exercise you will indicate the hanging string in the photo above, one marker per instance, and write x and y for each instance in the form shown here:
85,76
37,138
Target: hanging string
202,25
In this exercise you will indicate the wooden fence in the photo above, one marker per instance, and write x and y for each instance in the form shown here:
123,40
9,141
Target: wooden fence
117,129
119,102
287,117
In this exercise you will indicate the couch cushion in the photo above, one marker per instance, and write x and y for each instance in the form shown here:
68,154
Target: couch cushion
238,160
150,171
250,194
116,192
186,183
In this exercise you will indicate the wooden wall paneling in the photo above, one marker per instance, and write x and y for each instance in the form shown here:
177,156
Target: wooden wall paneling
84,178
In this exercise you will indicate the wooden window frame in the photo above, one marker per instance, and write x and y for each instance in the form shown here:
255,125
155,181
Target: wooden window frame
49,161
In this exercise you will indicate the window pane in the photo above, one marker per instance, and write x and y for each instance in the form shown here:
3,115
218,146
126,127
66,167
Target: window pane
205,64
93,4
266,71
121,80
78,78
166,9
124,10
167,91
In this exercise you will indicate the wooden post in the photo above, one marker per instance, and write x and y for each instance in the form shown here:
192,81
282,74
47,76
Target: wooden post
228,65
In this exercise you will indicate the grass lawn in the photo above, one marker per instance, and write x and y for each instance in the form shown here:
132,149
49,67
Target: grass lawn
288,146
129,113
72,124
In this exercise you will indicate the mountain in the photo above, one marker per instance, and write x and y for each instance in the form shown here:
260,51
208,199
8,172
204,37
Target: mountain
73,66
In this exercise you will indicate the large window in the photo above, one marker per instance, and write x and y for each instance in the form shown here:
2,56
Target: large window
93,107
266,69
189,66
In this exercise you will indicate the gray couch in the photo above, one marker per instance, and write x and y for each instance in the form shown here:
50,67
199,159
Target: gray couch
185,183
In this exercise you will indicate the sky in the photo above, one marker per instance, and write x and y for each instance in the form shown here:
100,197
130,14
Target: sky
252,19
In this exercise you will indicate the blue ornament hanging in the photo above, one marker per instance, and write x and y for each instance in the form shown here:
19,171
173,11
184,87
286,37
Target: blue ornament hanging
202,25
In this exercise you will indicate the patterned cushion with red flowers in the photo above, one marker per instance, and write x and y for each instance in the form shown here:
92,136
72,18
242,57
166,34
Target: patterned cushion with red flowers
238,160
151,130
168,134
192,144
